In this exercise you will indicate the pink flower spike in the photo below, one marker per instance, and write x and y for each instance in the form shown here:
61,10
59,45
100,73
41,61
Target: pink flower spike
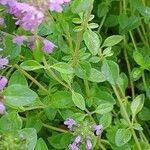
3,82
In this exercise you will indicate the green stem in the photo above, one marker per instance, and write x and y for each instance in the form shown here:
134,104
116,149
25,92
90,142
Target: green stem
32,79
53,74
79,37
133,41
54,128
129,70
9,72
101,145
76,51
101,24
125,114
141,36
144,81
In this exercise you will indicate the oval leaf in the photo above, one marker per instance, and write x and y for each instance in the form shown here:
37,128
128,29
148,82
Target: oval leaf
96,76
111,71
122,136
112,40
30,65
92,41
78,100
19,95
137,104
63,68
104,108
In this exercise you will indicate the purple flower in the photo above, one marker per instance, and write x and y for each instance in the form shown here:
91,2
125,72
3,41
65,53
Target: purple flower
7,2
48,46
77,140
19,40
3,2
31,44
98,129
56,5
29,17
2,108
1,21
75,144
3,82
70,123
88,145
3,62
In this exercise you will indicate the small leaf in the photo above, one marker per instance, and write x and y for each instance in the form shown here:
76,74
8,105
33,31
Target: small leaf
138,58
93,25
78,100
110,71
106,120
112,40
137,73
137,104
30,65
122,136
41,145
137,126
78,28
63,68
18,78
81,5
18,96
59,140
92,41
31,137
104,108
10,121
96,76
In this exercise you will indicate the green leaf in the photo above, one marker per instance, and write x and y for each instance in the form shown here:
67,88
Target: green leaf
138,58
81,5
10,49
34,121
145,12
11,121
63,68
37,51
137,73
137,104
31,137
122,136
104,97
106,120
128,24
111,71
104,108
137,126
18,78
92,41
41,145
102,9
19,96
30,65
112,40
96,76
83,69
60,141
144,114
61,99
78,100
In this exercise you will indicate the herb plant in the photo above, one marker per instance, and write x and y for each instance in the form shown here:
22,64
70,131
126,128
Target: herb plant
74,74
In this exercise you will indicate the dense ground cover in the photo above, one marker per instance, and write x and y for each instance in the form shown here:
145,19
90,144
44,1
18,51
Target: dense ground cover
74,74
